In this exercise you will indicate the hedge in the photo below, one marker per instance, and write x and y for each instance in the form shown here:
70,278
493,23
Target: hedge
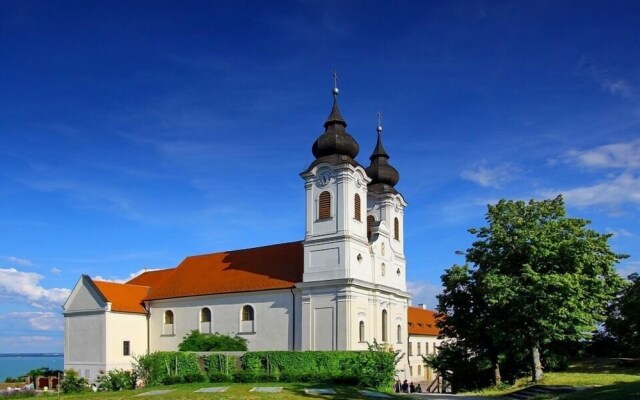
371,368
167,366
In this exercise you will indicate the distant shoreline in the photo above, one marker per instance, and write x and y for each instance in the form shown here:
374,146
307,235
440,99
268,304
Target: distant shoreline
31,354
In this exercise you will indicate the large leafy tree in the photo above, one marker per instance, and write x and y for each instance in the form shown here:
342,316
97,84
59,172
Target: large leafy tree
622,326
533,276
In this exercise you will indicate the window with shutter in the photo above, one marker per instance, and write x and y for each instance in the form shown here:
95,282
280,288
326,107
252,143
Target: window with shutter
370,221
357,207
324,205
396,229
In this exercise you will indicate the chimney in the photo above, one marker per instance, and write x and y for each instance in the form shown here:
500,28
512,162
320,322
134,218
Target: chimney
423,306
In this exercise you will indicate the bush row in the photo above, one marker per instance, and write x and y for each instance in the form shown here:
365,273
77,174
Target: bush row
365,368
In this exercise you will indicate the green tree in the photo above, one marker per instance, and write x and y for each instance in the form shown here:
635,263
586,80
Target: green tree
622,326
535,277
196,341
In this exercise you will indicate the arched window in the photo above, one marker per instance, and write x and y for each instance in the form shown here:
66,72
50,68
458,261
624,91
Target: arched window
324,205
356,206
168,327
247,313
370,220
396,229
383,269
362,332
399,333
384,325
205,320
247,319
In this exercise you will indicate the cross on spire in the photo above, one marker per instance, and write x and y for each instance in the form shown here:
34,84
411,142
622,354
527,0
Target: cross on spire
379,129
335,83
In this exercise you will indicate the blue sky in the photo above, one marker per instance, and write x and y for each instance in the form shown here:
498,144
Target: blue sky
133,134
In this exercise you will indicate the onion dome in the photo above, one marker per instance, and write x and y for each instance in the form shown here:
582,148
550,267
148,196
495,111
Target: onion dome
335,140
383,176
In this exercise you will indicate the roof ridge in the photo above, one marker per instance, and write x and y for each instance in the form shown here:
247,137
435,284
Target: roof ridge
121,283
245,249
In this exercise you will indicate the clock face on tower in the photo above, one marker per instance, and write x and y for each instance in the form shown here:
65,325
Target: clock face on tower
324,178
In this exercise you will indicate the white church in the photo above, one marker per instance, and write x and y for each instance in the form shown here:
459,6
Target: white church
340,288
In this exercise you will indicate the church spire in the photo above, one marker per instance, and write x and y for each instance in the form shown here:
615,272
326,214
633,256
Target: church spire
383,176
335,141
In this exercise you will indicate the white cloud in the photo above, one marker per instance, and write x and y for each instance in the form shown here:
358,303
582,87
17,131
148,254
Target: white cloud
18,261
490,176
123,280
622,189
424,293
619,232
627,268
614,86
26,286
623,155
56,271
38,320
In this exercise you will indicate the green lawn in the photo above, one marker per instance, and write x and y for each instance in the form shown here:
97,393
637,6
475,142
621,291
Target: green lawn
236,391
600,379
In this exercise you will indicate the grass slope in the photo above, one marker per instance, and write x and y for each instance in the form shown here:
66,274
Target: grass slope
601,379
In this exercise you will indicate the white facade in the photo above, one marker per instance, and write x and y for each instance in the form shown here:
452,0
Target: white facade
419,346
95,335
352,291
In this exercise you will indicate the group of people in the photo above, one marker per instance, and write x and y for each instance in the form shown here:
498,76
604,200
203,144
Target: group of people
405,387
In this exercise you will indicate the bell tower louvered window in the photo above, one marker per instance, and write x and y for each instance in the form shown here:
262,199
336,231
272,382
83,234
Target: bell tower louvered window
356,206
370,220
324,205
396,229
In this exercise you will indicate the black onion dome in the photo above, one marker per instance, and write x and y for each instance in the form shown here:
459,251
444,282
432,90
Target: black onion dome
335,140
383,175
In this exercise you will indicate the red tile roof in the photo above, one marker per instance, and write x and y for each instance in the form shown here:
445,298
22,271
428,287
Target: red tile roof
123,297
277,266
422,322
151,278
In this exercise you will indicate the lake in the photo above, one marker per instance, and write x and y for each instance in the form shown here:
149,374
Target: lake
19,364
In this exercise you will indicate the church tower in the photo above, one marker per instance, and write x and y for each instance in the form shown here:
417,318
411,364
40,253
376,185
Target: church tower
354,285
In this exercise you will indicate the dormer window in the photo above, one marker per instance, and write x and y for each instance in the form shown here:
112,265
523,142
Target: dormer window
324,205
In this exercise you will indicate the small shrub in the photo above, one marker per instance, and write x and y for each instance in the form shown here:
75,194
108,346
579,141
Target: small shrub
196,341
219,377
193,378
172,380
245,376
117,379
72,383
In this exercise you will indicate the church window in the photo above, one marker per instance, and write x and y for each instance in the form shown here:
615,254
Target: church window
419,370
247,320
169,326
382,250
205,320
396,229
362,332
126,348
247,313
383,269
370,220
420,349
399,334
356,205
384,326
410,349
324,205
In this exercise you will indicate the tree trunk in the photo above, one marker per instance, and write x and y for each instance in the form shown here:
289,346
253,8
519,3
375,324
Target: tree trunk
497,378
536,364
